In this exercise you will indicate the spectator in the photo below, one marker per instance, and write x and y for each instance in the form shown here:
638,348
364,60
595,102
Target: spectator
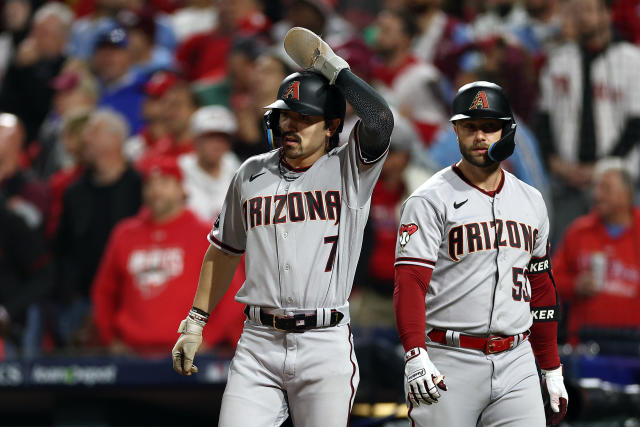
122,88
269,69
25,274
15,18
153,110
406,82
75,89
581,123
25,193
440,38
197,16
146,269
71,134
597,265
179,104
208,171
108,191
147,55
26,91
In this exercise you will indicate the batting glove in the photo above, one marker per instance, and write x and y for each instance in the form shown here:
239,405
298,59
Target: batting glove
185,349
421,377
553,381
310,52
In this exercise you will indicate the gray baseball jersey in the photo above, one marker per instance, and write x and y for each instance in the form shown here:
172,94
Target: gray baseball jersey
479,247
301,228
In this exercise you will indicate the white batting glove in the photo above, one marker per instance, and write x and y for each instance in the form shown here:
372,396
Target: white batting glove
185,349
558,397
310,51
421,377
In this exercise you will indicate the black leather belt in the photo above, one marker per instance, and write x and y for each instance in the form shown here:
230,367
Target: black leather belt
296,323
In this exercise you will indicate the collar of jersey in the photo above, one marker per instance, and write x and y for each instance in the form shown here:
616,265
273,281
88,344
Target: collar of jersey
284,163
458,172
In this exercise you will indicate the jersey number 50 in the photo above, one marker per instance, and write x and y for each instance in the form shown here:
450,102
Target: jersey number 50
521,290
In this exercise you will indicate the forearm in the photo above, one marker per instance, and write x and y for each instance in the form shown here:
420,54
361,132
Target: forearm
411,284
216,274
374,112
544,330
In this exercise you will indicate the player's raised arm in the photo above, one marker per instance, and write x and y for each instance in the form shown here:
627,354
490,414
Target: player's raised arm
310,52
216,274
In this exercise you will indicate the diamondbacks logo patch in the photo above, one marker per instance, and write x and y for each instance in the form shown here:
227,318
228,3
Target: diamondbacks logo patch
293,91
405,232
480,101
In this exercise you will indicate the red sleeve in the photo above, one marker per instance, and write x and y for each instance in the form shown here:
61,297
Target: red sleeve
545,311
105,292
411,284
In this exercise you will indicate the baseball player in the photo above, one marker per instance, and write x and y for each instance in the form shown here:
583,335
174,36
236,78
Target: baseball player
472,248
298,212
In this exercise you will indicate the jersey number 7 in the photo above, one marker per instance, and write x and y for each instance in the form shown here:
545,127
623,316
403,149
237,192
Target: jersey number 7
332,254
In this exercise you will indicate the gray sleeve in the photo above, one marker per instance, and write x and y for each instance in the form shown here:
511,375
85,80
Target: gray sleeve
229,232
375,115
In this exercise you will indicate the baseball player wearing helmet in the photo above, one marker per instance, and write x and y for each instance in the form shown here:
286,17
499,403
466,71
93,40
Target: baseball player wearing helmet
473,273
298,212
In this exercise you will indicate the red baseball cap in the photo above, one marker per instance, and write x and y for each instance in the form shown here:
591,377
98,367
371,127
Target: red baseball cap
160,83
161,165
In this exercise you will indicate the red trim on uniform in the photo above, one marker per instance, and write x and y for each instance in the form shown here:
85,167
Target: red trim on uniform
362,159
413,423
284,163
217,242
411,285
420,260
353,374
458,172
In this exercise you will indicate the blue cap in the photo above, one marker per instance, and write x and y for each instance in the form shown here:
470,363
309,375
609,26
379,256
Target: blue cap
115,37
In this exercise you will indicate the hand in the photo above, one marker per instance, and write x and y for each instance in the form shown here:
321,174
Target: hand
422,376
185,349
310,51
586,285
558,398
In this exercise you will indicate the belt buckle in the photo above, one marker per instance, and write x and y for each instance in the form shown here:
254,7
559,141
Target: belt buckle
299,322
273,322
495,345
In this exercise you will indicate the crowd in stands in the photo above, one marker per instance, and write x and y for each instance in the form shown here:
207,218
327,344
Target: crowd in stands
122,123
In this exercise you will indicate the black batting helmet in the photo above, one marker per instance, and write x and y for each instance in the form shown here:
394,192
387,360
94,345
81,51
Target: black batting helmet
307,93
487,100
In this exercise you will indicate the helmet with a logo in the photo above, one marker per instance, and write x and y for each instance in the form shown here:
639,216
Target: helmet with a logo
306,93
486,100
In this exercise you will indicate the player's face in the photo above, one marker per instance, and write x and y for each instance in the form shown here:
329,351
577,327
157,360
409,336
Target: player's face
304,138
475,136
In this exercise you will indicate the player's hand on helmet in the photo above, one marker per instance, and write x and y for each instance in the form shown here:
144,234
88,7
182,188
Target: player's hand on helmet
422,377
185,349
309,51
558,399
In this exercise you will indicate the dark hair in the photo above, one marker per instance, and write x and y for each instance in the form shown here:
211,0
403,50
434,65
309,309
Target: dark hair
409,24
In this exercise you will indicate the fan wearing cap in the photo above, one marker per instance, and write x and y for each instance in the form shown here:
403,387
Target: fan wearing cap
473,272
298,211
121,86
209,170
146,269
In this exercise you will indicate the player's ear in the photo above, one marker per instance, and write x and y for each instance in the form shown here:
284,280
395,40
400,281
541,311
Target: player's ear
331,126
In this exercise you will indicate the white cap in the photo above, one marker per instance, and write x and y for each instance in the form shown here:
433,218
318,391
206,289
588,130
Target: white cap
211,119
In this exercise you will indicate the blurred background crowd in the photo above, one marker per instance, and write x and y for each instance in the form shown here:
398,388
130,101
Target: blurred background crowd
122,123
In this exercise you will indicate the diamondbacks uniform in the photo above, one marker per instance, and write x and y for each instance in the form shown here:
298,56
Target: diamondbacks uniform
302,231
481,247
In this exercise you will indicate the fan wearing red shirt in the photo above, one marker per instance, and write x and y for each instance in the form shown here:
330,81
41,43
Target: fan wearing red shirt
147,274
597,265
